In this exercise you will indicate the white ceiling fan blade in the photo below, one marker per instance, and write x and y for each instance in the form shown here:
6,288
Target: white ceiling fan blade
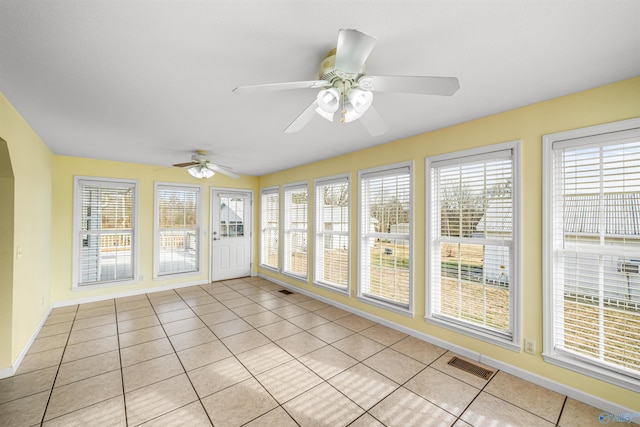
352,50
372,121
271,87
222,170
304,118
424,85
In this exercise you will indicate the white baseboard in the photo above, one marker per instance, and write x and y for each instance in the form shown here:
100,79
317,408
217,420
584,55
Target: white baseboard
571,392
7,372
11,370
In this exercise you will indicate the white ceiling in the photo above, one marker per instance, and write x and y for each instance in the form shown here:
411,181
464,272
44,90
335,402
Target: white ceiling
150,81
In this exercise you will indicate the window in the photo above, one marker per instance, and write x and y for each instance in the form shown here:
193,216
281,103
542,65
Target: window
386,215
177,229
105,231
296,203
472,243
270,227
592,251
332,233
232,212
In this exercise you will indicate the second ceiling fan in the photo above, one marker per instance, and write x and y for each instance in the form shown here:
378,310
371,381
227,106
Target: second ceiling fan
346,90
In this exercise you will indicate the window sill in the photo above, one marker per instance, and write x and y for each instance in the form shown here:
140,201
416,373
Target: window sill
337,289
592,370
169,276
510,344
387,306
80,288
295,276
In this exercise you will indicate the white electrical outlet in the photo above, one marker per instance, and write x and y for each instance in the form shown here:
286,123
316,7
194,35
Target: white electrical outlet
529,346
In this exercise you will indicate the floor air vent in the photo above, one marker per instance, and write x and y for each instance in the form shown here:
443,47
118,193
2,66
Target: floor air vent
286,292
469,367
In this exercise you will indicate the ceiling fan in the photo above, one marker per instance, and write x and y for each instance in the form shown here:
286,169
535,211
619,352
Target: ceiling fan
346,90
201,166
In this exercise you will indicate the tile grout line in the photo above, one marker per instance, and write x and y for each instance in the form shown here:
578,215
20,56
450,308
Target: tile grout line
124,396
520,407
561,410
181,364
46,407
280,405
297,359
239,361
234,355
359,362
459,417
86,357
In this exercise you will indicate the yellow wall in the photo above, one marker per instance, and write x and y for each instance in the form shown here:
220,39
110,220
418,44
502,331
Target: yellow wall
6,253
30,287
609,103
65,168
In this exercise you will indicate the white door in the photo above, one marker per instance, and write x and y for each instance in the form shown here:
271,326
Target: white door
230,234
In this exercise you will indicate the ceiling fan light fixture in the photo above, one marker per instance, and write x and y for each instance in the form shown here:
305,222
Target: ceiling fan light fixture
361,100
324,114
350,113
329,100
200,171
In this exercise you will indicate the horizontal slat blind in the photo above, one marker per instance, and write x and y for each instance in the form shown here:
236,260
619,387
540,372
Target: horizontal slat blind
386,215
472,243
105,215
270,225
596,247
296,203
332,232
177,229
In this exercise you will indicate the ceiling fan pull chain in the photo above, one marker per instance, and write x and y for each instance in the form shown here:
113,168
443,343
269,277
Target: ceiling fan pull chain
343,108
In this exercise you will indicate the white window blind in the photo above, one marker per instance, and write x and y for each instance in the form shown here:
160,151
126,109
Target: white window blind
472,242
105,231
177,229
595,240
332,232
296,204
385,236
270,227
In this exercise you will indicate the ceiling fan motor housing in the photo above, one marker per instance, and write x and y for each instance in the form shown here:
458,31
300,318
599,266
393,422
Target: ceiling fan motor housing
200,158
338,79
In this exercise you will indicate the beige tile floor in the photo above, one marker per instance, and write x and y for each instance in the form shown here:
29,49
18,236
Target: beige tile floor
240,352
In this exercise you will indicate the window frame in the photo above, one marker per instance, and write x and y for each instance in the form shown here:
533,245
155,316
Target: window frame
76,246
512,342
362,235
156,229
265,192
319,230
577,364
286,230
